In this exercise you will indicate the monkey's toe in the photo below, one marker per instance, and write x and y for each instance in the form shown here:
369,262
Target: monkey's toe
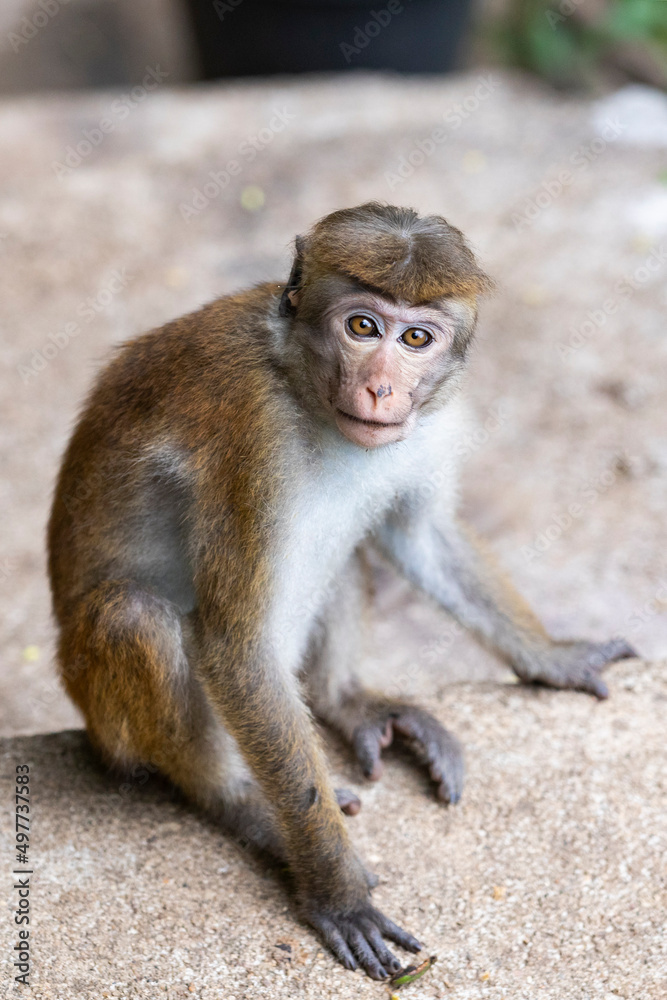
435,747
349,803
369,740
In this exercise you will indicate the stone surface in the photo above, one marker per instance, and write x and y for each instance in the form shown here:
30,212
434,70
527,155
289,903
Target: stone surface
547,881
566,477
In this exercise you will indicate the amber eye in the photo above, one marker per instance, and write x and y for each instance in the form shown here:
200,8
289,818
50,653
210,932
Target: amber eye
414,337
362,326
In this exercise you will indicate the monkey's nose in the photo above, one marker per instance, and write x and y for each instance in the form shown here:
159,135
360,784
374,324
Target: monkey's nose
382,390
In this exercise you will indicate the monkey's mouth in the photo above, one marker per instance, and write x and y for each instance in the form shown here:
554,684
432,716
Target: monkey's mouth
373,433
370,423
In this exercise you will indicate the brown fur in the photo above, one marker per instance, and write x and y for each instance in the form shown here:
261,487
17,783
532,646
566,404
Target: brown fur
164,535
205,387
393,251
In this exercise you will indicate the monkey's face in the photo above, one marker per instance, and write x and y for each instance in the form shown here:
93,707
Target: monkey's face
384,361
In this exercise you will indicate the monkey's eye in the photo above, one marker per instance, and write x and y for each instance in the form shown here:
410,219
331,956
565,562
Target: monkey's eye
362,326
414,337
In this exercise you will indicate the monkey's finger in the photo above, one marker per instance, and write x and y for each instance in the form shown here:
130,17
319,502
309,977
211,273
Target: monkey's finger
367,743
600,689
364,953
584,678
594,684
389,961
390,930
617,649
349,803
334,940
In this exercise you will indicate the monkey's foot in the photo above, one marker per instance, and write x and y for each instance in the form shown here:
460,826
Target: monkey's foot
575,665
356,939
430,742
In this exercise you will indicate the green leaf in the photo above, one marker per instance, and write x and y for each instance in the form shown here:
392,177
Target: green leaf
412,972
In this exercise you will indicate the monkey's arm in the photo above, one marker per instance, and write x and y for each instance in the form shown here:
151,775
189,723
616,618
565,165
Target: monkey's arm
261,706
258,698
444,558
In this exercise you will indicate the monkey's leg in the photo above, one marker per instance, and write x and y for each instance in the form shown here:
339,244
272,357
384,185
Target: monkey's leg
448,562
125,660
368,720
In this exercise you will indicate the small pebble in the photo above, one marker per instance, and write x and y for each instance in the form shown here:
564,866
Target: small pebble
252,198
474,162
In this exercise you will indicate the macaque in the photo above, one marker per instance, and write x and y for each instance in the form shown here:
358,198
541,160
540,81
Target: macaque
206,546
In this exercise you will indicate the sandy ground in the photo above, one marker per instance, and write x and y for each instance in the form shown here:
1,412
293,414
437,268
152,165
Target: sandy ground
564,809
547,881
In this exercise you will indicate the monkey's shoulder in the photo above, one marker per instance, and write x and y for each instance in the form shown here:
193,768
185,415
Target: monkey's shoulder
215,358
226,333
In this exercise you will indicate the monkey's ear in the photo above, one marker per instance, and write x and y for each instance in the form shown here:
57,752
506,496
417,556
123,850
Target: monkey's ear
290,296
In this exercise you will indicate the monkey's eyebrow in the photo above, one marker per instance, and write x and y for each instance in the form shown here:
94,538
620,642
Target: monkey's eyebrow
381,293
436,304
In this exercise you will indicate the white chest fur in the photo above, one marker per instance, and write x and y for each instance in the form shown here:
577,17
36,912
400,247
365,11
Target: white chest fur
343,493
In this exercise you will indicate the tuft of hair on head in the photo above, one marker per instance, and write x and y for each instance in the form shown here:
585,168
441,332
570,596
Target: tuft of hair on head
390,250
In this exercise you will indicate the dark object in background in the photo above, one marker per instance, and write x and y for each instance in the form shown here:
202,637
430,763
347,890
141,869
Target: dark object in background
260,37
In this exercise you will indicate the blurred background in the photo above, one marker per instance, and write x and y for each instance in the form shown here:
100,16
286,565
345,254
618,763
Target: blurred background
155,154
104,43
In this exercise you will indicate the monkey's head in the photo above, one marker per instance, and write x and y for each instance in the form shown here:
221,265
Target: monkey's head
382,307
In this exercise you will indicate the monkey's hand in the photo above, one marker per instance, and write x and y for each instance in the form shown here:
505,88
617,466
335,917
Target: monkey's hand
355,937
575,665
435,747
